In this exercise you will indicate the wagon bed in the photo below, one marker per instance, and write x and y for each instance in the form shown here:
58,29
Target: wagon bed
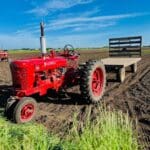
121,62
123,52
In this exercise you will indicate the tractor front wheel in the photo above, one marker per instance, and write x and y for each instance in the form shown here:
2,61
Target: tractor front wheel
10,105
92,81
25,110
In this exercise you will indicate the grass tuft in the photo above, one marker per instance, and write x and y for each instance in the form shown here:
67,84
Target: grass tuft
110,131
25,137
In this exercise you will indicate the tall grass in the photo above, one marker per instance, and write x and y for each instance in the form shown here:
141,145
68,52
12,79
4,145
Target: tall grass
108,131
25,137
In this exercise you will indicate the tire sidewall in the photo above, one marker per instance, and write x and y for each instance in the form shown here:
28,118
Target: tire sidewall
99,65
17,110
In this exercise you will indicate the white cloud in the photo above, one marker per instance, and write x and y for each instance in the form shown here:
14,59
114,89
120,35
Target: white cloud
95,19
87,23
79,26
88,13
76,33
93,26
53,5
83,23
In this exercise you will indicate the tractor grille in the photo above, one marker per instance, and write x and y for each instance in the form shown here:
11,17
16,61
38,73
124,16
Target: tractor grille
17,76
23,77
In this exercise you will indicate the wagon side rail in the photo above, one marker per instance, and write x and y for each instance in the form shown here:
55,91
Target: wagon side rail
125,47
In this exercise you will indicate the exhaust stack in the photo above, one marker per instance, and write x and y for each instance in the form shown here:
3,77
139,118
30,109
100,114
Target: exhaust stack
42,40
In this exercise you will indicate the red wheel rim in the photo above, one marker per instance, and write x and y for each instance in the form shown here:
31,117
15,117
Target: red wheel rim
27,112
97,81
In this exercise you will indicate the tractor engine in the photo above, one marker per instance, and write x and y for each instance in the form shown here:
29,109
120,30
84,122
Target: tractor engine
37,75
49,71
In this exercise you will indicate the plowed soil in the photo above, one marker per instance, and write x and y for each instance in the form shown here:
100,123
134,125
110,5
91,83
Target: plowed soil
132,96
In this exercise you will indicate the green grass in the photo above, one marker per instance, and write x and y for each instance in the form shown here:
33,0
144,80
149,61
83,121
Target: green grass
22,51
37,51
103,49
108,131
25,137
146,51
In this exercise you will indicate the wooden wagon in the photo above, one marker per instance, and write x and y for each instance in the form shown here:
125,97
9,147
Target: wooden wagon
123,52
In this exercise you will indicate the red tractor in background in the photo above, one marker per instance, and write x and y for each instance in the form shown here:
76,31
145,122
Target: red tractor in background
53,71
3,55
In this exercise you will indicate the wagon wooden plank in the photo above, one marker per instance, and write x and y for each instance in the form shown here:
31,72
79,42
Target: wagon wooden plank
125,46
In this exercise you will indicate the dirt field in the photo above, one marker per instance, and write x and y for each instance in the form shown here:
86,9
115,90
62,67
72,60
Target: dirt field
132,96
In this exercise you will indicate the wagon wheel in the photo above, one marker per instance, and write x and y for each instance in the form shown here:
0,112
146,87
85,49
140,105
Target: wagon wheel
25,110
92,81
121,74
134,68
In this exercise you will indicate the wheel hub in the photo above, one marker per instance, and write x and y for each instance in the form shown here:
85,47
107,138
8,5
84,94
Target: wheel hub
27,112
97,82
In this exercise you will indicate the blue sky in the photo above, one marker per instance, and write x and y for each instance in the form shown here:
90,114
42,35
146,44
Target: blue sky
82,23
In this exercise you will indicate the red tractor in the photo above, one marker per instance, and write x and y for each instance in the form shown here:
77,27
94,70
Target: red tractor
54,71
3,55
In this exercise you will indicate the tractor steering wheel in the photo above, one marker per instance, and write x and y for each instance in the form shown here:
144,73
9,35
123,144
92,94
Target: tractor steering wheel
69,50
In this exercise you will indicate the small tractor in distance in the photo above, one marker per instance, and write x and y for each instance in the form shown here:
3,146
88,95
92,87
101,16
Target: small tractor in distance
3,55
53,71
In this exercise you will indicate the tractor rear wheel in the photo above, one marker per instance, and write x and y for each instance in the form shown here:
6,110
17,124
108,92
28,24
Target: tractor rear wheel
92,81
25,110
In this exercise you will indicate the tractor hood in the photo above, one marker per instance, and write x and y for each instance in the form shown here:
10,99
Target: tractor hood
40,64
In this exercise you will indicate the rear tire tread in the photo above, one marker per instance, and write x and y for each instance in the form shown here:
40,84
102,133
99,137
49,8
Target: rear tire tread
85,79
